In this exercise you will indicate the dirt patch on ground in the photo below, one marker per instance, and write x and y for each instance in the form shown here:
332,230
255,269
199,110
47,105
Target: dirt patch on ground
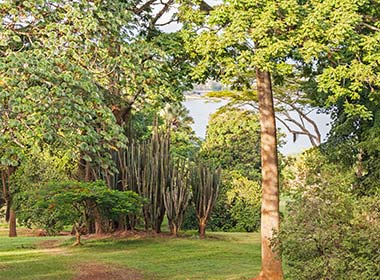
49,244
52,247
96,271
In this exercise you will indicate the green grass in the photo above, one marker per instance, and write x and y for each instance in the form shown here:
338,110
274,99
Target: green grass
220,256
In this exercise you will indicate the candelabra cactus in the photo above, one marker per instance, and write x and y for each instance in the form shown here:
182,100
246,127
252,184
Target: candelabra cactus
147,173
177,195
205,183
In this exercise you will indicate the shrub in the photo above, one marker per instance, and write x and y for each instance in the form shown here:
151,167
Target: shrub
329,232
57,204
238,206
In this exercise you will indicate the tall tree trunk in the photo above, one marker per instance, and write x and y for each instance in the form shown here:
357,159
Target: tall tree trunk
12,223
271,268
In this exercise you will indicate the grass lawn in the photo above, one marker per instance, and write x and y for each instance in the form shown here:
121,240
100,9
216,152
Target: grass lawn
220,256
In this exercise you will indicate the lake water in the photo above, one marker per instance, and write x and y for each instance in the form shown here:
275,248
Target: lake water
201,109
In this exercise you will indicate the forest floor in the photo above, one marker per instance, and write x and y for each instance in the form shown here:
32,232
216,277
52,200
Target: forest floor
129,256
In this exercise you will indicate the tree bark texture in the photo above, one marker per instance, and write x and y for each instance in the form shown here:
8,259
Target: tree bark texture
12,223
202,228
10,214
271,268
77,239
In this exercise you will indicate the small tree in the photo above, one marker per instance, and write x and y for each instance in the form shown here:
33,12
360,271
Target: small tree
72,203
177,195
205,183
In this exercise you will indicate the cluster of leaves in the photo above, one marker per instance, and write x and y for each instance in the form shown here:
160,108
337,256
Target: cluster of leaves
328,231
50,92
40,167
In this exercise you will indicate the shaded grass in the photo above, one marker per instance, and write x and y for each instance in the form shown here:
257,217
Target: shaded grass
220,256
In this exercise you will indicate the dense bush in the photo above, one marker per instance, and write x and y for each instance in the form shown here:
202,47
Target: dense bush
329,232
238,206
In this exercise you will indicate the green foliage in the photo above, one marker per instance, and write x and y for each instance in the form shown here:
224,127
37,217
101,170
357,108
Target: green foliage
72,72
244,199
40,167
238,206
240,37
344,53
233,141
313,168
354,141
335,45
57,204
50,92
328,232
190,217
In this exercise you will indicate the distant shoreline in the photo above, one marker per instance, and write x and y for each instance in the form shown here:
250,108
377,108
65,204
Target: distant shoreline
201,97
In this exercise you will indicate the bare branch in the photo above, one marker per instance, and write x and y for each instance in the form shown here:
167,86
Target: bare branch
313,139
303,116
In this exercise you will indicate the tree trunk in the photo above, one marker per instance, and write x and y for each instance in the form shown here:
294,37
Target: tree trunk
78,235
98,222
122,222
131,222
12,223
271,268
173,228
202,228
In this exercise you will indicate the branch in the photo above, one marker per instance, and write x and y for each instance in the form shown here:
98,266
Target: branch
304,131
374,28
302,117
160,13
295,132
205,7
166,23
138,11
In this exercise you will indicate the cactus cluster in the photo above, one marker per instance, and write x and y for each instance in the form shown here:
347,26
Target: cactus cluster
147,173
205,183
166,184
